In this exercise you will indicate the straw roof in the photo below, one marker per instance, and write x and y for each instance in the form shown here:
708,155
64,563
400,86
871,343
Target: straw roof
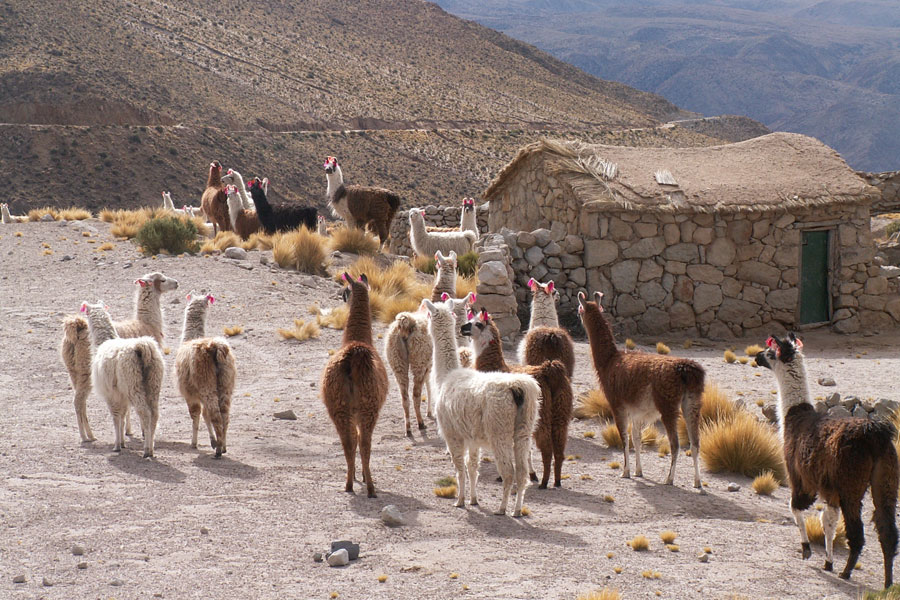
779,170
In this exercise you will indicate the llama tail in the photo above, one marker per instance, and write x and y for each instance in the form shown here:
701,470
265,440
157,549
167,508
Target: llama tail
527,398
692,375
75,342
885,478
223,359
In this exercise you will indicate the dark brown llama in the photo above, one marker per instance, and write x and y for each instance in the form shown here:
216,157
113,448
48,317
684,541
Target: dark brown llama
834,458
355,384
552,429
641,387
213,202
545,339
360,206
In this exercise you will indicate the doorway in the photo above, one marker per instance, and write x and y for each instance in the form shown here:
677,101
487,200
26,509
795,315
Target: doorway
815,300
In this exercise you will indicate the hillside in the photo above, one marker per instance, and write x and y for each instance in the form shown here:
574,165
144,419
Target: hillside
125,99
827,69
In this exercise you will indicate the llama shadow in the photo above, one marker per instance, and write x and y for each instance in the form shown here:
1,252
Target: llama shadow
131,461
508,527
568,497
671,499
832,579
371,507
225,466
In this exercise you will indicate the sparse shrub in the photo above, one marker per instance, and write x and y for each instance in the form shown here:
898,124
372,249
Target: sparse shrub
74,214
663,448
765,484
392,290
303,330
382,578
687,344
36,214
730,356
234,330
742,445
629,344
753,350
639,543
610,499
611,436
445,487
222,241
590,434
526,511
171,234
464,285
668,536
662,348
353,240
816,532
105,246
614,464
300,249
467,264
604,594
335,318
425,264
649,435
743,360
593,404
672,547
892,228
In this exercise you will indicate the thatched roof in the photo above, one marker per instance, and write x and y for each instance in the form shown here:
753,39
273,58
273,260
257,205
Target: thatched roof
779,170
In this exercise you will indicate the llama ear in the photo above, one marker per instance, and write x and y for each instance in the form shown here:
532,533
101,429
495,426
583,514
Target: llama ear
84,307
598,296
421,212
470,315
531,283
210,299
550,288
470,298
429,305
438,256
141,282
581,298
453,255
346,277
484,315
444,296
230,171
364,280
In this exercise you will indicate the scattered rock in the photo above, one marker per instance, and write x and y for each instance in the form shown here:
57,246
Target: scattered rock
46,582
733,487
860,412
850,402
127,265
81,565
19,579
821,408
318,557
236,253
47,218
62,223
78,550
204,531
339,558
770,411
264,259
351,548
833,399
703,557
116,583
287,415
826,381
391,516
839,411
66,258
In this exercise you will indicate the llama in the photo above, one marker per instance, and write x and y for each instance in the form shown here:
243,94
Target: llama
408,348
357,205
75,347
8,218
280,217
168,205
481,410
321,227
642,387
213,201
234,178
556,393
545,339
444,276
126,372
460,308
354,383
469,221
426,243
244,222
205,371
835,458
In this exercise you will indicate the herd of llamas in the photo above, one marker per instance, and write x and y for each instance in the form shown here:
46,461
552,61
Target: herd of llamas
454,352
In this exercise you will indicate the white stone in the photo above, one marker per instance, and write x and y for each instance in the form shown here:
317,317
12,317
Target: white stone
338,558
493,273
391,516
236,253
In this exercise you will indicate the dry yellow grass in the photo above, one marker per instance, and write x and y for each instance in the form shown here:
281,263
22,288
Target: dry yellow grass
649,436
662,348
105,246
765,484
651,574
446,491
36,214
48,252
610,499
303,330
639,543
590,434
629,344
730,356
301,249
611,436
816,532
74,214
743,360
742,445
464,285
222,241
753,350
18,234
617,570
668,536
526,511
335,318
614,465
673,547
687,344
392,290
593,404
424,264
353,240
604,594
234,330
382,578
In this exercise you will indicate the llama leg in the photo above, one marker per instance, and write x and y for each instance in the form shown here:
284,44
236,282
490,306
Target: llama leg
623,434
150,437
670,422
690,410
855,537
636,427
403,383
884,497
559,452
472,463
128,430
417,401
521,449
457,455
84,428
829,526
428,390
542,441
118,426
213,417
799,503
504,458
347,432
194,410
365,451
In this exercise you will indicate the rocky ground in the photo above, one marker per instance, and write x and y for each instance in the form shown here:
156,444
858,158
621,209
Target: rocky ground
78,521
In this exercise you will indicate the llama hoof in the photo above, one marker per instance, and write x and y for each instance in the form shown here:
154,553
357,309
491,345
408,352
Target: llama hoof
829,566
557,484
844,575
533,476
117,449
409,433
349,488
422,426
473,503
460,504
543,486
626,475
218,453
194,446
148,454
669,482
807,552
502,513
372,495
518,514
499,479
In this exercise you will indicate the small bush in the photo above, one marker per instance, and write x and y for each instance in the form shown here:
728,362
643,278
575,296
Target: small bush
74,214
753,350
234,330
590,434
464,285
649,436
892,228
629,344
662,348
639,543
614,465
335,318
609,499
303,330
222,241
171,234
816,532
730,356
302,250
445,487
672,547
611,436
742,445
687,344
593,404
668,536
354,241
604,594
425,264
467,264
105,246
36,214
663,448
765,484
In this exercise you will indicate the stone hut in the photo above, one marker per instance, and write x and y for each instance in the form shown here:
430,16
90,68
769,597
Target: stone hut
718,241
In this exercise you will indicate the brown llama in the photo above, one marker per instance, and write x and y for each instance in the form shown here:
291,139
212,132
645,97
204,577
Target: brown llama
835,458
545,339
243,222
642,387
360,206
213,202
556,393
355,384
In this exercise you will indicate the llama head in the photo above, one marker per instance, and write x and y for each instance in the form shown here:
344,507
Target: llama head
481,329
441,320
416,216
468,204
330,165
254,183
320,218
780,353
230,177
360,286
198,302
587,310
445,262
157,282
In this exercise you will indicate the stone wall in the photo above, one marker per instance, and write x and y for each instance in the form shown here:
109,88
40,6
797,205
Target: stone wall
435,216
709,275
495,283
889,185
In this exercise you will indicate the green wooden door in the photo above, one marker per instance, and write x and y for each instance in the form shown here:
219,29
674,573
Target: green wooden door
814,300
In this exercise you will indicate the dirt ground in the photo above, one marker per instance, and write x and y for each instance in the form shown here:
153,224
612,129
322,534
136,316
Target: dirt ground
185,525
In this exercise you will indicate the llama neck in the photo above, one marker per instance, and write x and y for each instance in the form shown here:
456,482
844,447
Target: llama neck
445,280
101,327
215,178
603,345
321,229
417,224
167,202
359,323
246,202
793,388
147,309
489,353
194,321
335,181
4,210
445,357
469,221
263,208
234,207
543,311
